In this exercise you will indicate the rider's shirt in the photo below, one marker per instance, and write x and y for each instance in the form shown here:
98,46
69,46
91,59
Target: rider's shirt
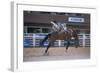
62,26
55,27
58,27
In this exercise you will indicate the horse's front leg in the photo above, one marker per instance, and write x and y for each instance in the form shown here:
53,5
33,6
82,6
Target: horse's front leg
76,43
67,44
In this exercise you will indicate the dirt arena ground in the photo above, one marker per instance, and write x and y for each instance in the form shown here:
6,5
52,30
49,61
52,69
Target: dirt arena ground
55,53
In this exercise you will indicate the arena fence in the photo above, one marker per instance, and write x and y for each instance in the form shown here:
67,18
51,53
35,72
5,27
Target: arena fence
34,39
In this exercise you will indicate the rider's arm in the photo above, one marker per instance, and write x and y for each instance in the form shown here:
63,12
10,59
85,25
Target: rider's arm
54,24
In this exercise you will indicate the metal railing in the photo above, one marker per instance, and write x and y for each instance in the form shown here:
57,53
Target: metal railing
34,39
84,40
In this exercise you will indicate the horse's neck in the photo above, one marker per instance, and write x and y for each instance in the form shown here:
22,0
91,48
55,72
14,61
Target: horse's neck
69,32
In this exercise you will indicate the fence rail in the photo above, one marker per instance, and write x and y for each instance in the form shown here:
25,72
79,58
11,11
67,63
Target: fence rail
33,40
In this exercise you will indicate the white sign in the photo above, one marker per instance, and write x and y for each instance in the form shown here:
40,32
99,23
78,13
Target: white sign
75,19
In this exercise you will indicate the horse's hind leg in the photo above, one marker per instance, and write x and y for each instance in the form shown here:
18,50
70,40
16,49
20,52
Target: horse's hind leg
41,43
46,37
46,51
47,48
51,42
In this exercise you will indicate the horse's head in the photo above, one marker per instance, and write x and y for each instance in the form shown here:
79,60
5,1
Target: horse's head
72,33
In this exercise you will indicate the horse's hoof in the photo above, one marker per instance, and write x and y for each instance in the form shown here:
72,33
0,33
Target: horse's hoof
76,47
46,54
